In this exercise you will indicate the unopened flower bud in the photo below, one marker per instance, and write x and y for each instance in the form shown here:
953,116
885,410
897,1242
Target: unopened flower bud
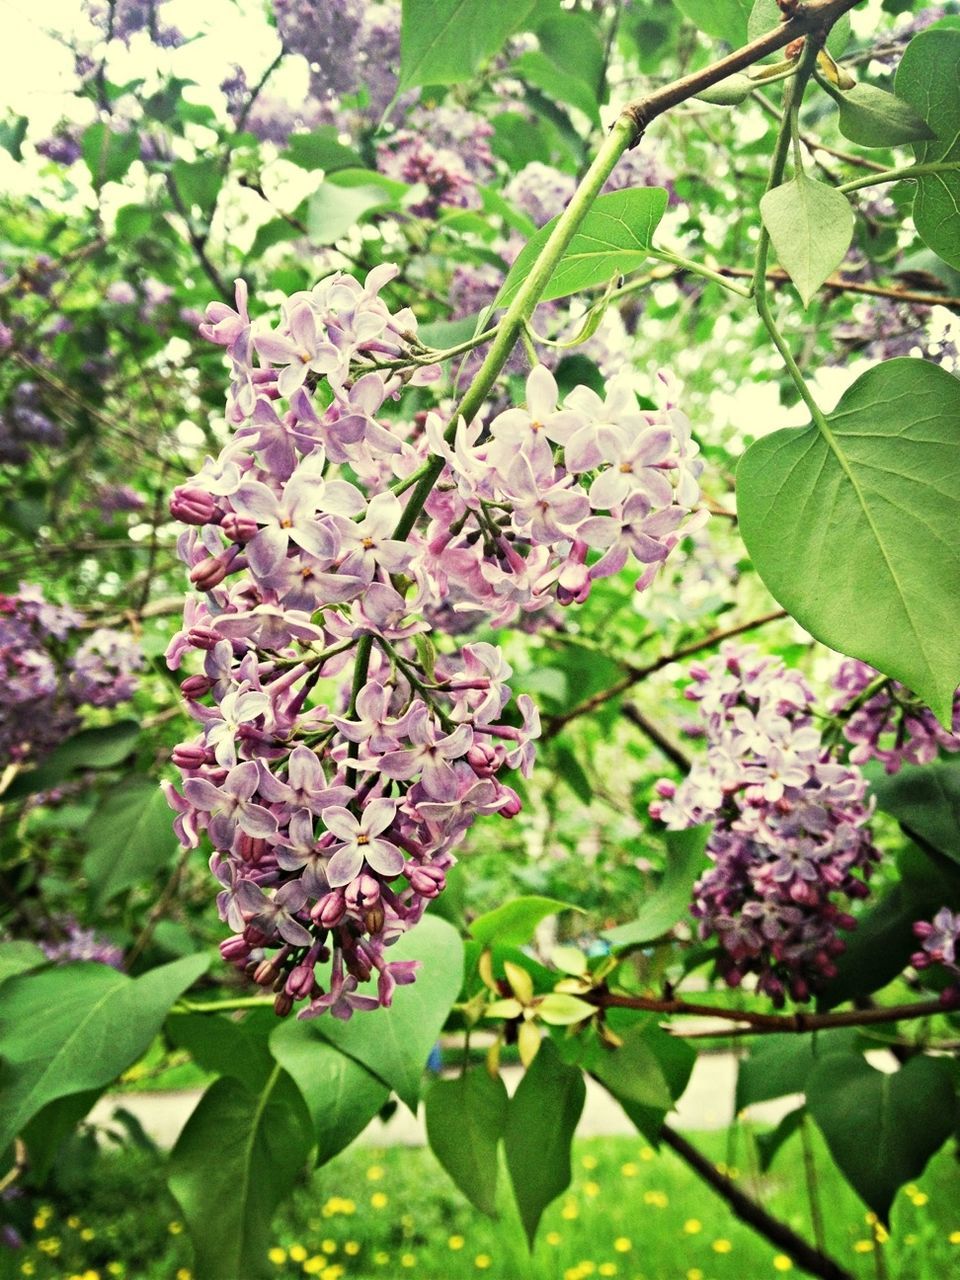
283,1004
192,505
209,573
188,755
238,528
196,686
204,637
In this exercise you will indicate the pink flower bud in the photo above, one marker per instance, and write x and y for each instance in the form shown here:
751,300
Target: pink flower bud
209,573
196,686
189,755
203,638
238,528
192,505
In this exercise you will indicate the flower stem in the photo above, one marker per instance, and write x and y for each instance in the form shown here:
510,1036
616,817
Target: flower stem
895,175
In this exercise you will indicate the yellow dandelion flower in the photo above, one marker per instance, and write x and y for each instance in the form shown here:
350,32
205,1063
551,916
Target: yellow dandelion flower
954,1237
910,1238
115,1268
782,1263
881,1234
694,1274
277,1256
572,1273
647,1153
379,1200
351,1248
455,1243
591,1189
39,1221
870,1218
622,1244
381,1258
183,1273
589,1162
375,1173
297,1253
482,1261
570,1211
329,1246
175,1228
658,1199
88,1233
629,1170
721,1246
28,1269
95,1275
51,1245
692,1226
333,1273
911,1189
407,1260
863,1246
587,1268
920,1199
607,1269
313,1266
553,1238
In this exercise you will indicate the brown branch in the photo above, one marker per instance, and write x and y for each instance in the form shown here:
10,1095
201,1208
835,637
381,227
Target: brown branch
778,276
753,1023
634,675
753,1214
198,243
659,739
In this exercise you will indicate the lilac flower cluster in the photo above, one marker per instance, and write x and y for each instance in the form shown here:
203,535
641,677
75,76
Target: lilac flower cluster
940,945
42,687
884,721
446,150
124,19
328,37
637,168
317,806
790,833
70,943
884,328
540,191
317,803
269,118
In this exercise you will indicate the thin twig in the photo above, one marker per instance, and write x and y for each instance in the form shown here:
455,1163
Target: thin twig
659,739
837,283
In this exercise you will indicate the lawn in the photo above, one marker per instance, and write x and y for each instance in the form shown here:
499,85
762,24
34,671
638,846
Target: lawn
630,1213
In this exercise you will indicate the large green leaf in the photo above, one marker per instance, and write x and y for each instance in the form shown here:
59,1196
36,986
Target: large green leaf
129,838
237,1157
76,1027
613,239
513,924
780,1064
108,154
225,1046
570,40
394,1043
198,183
676,1059
444,41
882,1129
333,209
925,800
102,748
928,78
341,1095
466,1118
724,19
810,226
541,1120
686,859
556,82
632,1071
321,149
855,533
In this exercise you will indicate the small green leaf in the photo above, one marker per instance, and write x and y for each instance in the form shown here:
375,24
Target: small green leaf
768,1144
444,41
613,239
872,117
723,19
570,41
129,839
76,1027
513,924
198,184
541,1120
239,1154
108,155
320,150
539,70
19,957
730,92
12,134
810,226
632,1072
558,1009
882,1128
341,1095
855,534
466,1118
686,859
927,78
394,1043
676,1059
333,209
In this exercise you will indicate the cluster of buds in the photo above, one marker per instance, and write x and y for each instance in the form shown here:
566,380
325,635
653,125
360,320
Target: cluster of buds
790,837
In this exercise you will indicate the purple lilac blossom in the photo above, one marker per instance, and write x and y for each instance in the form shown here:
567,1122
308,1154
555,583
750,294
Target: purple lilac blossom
790,835
890,723
70,943
940,945
334,818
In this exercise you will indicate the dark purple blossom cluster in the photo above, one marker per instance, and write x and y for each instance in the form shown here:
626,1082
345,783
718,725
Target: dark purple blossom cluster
334,809
444,149
790,838
884,721
24,422
46,677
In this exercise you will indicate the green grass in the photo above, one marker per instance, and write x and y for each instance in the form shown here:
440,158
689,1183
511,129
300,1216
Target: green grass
630,1213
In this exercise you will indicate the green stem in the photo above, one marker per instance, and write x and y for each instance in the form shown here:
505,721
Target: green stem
222,1006
697,268
895,175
